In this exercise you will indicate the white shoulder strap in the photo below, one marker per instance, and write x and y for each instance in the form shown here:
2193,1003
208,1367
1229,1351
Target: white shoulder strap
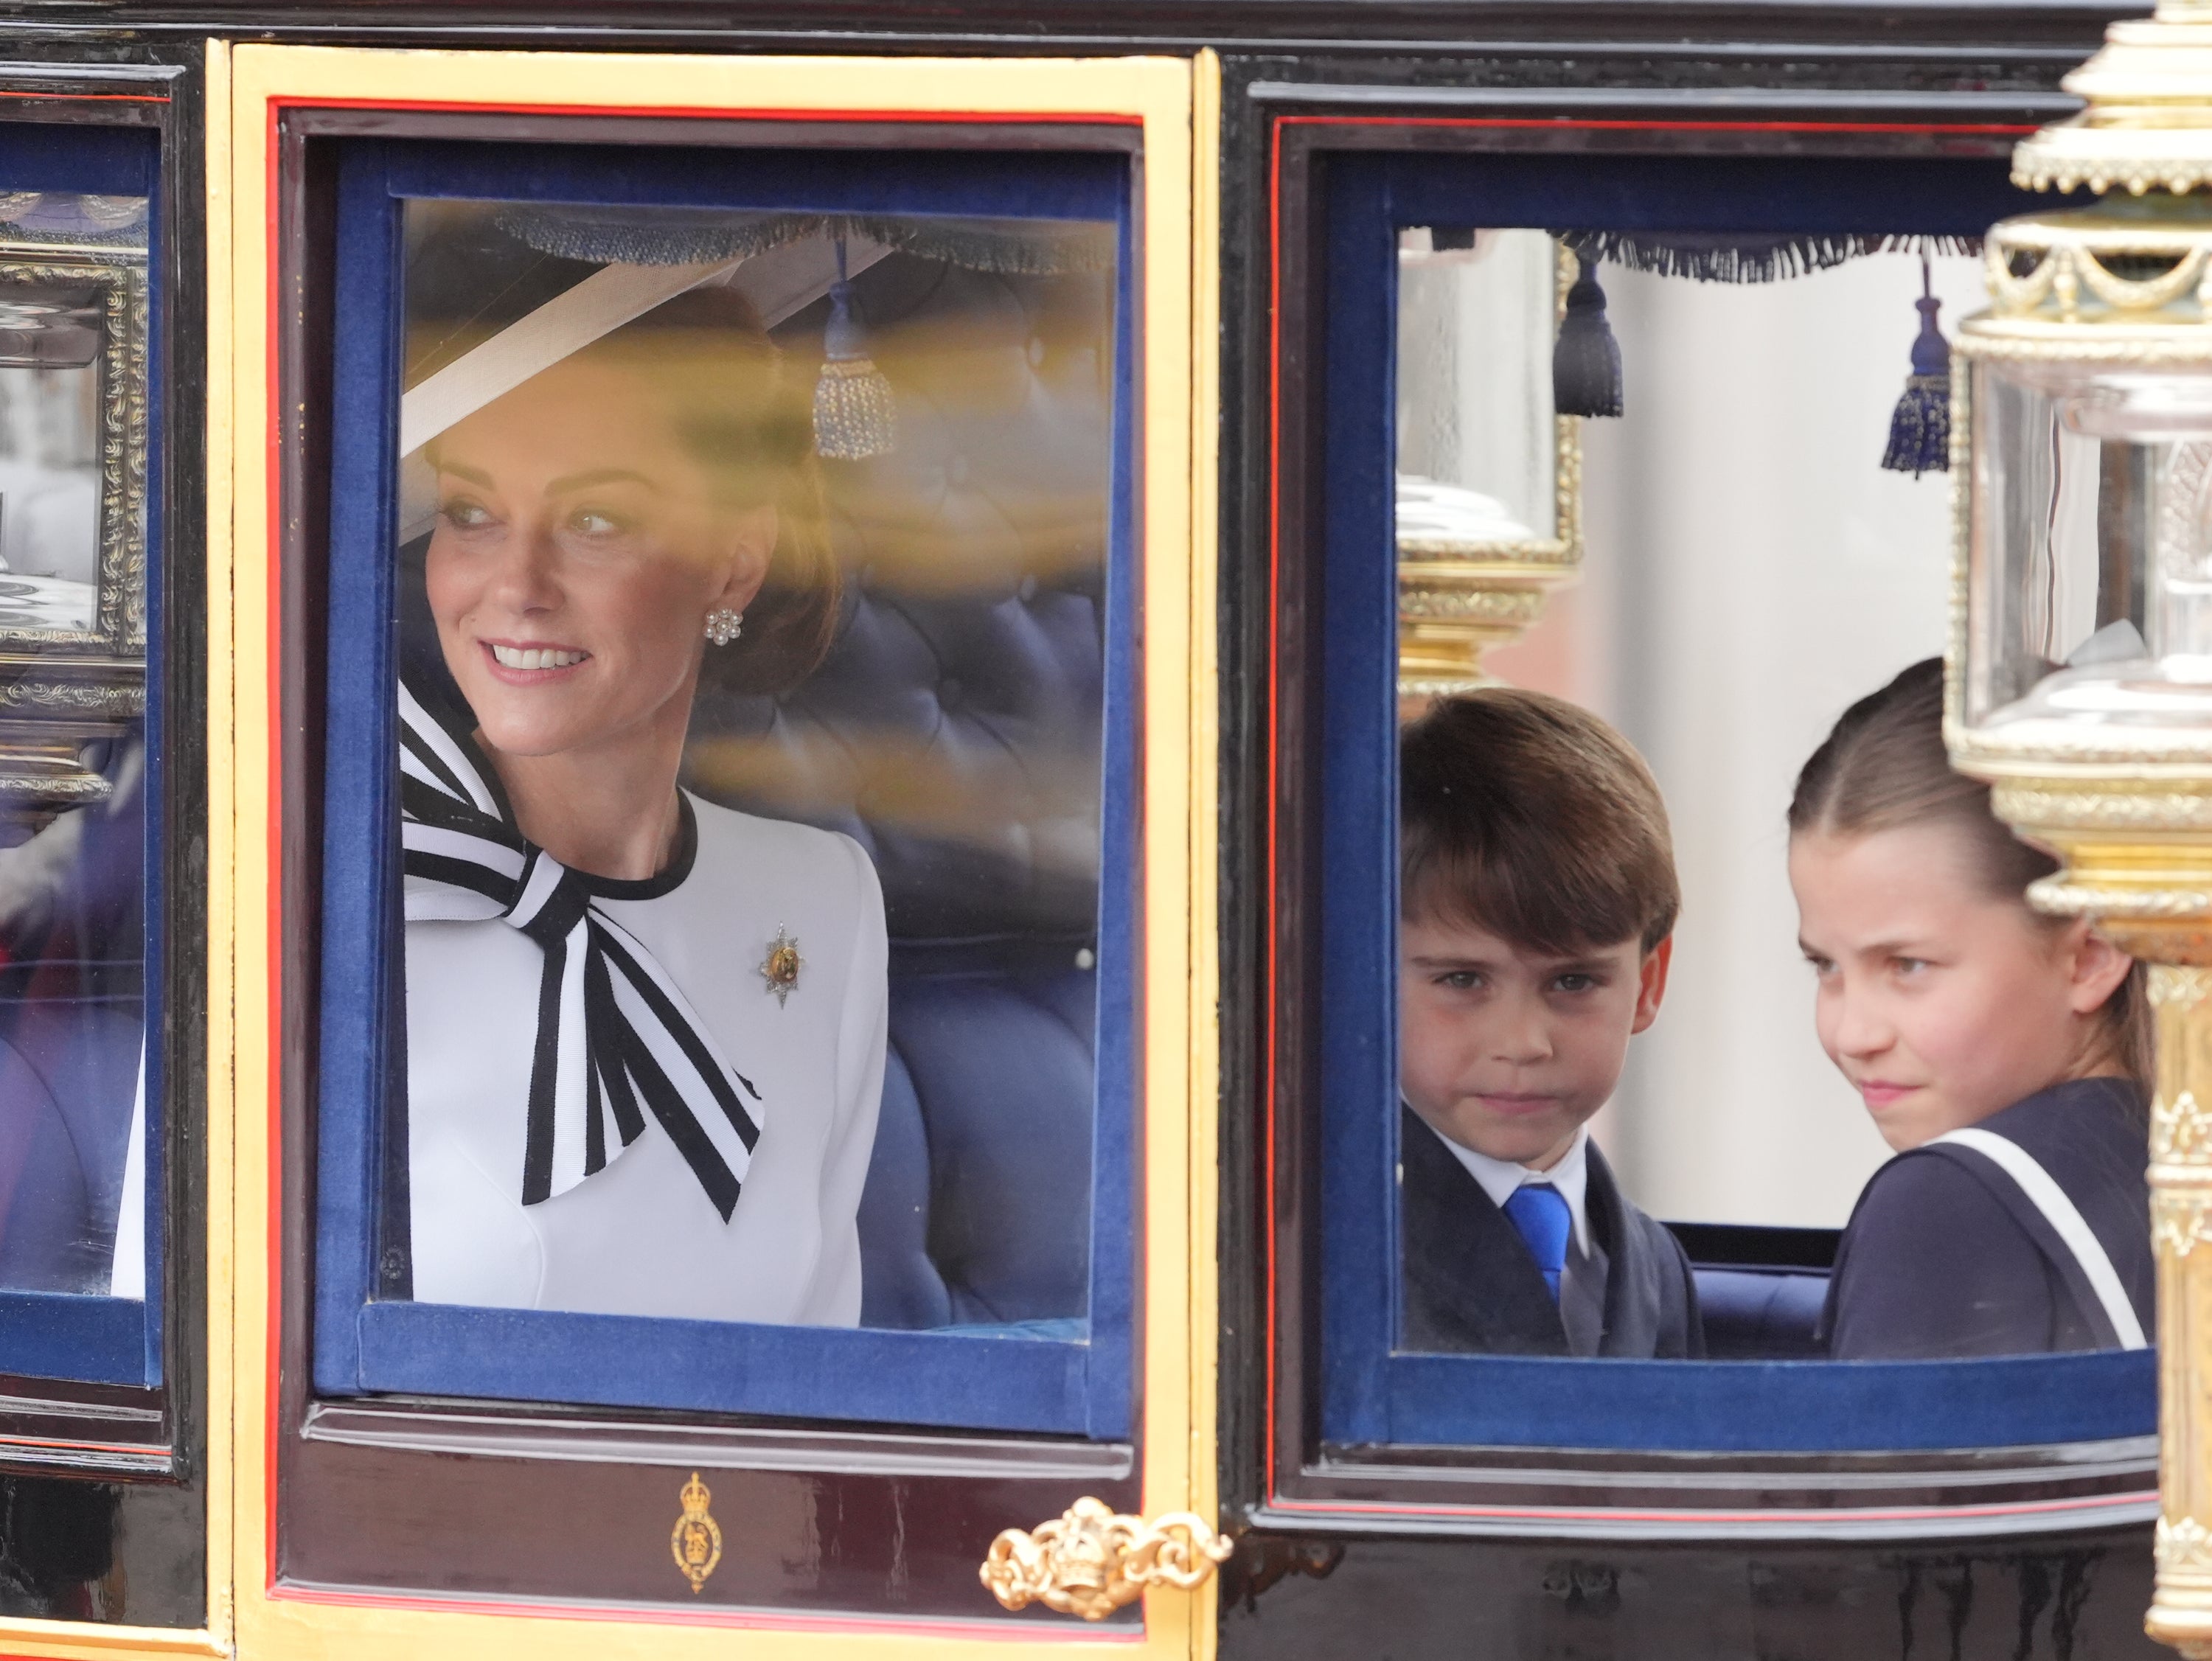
2060,1212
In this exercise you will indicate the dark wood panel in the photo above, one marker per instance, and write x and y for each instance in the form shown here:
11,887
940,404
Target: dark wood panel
77,1550
367,1517
2066,1598
109,1430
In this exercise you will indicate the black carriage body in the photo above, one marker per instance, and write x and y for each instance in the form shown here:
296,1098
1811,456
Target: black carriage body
1310,90
1547,84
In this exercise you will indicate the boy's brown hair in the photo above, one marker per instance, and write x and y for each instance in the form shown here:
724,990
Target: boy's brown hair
1528,817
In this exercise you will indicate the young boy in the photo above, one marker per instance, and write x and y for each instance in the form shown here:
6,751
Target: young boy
1538,898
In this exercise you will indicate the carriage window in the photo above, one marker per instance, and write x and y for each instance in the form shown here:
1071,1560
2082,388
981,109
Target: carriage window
1680,513
1603,1017
1720,1014
741,761
79,1250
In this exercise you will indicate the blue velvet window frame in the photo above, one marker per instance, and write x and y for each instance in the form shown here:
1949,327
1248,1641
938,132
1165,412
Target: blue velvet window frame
362,1344
1371,1394
81,1336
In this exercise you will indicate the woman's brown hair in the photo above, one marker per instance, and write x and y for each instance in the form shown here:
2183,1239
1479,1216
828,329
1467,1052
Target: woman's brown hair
1884,766
741,413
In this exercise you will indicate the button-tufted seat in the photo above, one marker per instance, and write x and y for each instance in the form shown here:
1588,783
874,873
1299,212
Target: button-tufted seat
955,732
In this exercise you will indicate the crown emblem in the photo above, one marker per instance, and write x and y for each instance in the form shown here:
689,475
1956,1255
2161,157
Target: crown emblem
696,1545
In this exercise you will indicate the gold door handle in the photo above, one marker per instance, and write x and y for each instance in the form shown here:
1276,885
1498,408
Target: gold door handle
1093,1560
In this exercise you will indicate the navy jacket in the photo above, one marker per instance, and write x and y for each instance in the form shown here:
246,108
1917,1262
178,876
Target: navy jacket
1945,1256
1470,1286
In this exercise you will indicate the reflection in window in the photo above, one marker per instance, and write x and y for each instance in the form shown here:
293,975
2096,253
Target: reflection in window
1749,570
809,517
1478,448
72,745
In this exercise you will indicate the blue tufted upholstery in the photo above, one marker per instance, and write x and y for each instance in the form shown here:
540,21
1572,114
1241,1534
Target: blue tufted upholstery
955,732
979,1200
1759,1290
1762,1315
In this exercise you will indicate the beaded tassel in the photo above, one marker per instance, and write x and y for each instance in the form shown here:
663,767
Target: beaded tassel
1920,427
855,415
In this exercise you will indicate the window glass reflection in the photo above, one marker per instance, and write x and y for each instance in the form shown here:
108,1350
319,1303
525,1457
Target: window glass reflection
72,746
1478,450
1750,568
753,624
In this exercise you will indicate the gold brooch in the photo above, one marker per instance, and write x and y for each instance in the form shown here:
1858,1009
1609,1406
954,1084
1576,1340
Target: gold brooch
779,969
697,1542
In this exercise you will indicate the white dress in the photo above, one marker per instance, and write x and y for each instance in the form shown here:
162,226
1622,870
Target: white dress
640,1236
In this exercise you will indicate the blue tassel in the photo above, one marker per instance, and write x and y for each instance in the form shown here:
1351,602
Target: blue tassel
1586,360
1920,427
855,415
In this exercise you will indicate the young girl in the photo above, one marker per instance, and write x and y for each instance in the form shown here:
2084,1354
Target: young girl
2005,1055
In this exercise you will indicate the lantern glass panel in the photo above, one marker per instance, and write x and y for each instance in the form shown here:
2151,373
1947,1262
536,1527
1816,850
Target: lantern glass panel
2091,549
1478,442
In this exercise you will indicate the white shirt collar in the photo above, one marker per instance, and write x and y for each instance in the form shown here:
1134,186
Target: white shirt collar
1499,1178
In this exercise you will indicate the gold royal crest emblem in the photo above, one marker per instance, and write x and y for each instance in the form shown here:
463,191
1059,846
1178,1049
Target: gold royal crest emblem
696,1544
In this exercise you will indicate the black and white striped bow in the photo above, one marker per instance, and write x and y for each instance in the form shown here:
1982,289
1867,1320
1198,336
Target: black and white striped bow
611,1026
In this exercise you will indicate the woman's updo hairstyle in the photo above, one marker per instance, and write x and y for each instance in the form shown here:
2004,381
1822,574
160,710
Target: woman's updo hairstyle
1884,767
741,414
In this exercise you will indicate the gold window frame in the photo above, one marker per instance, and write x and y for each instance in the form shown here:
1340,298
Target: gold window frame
1175,101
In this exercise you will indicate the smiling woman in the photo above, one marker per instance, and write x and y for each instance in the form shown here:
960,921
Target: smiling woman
598,1093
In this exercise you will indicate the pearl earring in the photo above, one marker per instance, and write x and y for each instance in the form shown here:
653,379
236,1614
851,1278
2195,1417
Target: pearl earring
724,626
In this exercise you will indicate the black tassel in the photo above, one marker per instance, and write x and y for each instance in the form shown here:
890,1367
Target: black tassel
855,415
1920,427
1586,361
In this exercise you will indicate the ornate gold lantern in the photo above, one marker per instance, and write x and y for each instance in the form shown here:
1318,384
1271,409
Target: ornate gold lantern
1489,485
2081,661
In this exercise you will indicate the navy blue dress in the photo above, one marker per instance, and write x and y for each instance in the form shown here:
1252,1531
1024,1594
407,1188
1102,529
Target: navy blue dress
1946,1256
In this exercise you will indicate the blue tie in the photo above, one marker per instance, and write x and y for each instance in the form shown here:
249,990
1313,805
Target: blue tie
1539,1212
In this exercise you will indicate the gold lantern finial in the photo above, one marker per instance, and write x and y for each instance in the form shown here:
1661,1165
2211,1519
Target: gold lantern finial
2148,124
2082,660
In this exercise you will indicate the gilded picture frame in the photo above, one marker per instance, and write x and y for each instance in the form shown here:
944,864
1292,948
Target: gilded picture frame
1459,597
65,685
